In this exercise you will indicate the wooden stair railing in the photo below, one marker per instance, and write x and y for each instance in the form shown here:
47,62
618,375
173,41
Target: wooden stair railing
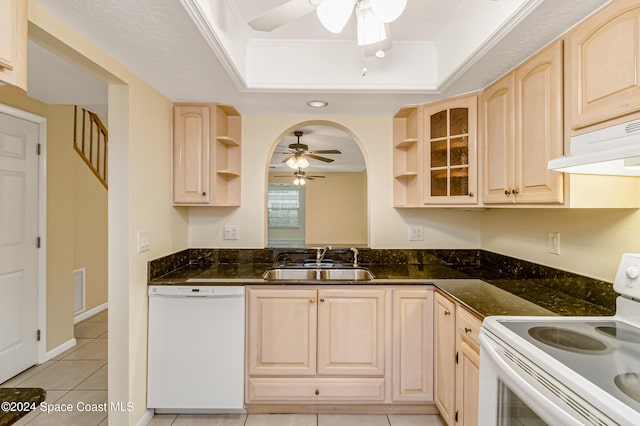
90,139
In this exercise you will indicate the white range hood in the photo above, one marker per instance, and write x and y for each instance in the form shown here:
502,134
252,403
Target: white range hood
613,150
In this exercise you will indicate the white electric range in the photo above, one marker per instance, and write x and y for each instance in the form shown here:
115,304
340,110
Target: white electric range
565,370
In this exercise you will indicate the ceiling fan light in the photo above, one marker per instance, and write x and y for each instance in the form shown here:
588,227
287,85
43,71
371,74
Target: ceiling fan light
303,163
292,162
388,10
302,181
370,28
334,14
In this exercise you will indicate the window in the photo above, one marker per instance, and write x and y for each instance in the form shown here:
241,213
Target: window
283,206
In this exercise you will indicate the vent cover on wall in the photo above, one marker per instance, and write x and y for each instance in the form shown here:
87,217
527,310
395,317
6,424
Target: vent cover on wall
78,290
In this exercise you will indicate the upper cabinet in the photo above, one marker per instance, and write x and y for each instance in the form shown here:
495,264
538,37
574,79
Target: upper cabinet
435,154
522,130
407,131
450,175
206,155
605,65
13,42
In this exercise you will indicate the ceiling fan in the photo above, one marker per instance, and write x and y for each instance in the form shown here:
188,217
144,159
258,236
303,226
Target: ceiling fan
371,15
298,153
300,176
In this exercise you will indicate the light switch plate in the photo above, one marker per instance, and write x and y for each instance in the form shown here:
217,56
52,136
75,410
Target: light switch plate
144,242
416,233
231,232
554,242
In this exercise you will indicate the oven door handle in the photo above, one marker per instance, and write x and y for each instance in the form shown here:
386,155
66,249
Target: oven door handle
539,398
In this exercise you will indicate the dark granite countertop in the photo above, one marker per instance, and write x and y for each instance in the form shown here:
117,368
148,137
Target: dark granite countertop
25,399
484,290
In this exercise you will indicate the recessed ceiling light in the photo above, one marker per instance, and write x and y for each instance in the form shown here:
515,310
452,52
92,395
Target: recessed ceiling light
317,103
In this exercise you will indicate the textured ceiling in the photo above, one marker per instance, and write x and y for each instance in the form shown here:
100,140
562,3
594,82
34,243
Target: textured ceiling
158,40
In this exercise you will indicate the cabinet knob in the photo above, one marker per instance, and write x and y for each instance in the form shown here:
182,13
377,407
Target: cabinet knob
312,300
507,193
447,313
467,330
322,299
471,194
204,194
515,191
317,392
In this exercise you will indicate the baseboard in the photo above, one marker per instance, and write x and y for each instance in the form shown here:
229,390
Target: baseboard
59,349
146,417
91,312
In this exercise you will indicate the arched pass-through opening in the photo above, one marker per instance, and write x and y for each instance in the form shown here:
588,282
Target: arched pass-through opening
324,200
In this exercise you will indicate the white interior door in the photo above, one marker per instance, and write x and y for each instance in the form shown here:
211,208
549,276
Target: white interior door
18,250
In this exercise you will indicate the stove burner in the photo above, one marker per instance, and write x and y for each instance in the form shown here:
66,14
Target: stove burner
620,333
629,383
567,340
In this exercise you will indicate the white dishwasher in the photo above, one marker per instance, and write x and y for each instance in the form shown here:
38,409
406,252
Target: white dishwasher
196,349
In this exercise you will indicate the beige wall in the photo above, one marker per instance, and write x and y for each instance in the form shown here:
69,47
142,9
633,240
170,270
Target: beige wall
591,241
387,227
139,199
337,209
90,231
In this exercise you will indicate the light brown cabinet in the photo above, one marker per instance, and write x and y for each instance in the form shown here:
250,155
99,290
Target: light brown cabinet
450,154
457,362
13,43
412,378
467,367
522,131
288,360
206,155
604,53
444,357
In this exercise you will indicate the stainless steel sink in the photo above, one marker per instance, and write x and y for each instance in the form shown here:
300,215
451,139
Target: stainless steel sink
318,274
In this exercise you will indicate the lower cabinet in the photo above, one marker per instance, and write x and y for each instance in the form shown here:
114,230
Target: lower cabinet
340,345
457,362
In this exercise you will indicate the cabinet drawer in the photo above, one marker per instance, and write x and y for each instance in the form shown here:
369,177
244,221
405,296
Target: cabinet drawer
316,389
468,326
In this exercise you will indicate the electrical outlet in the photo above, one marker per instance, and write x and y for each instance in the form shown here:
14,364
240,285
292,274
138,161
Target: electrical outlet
144,243
231,232
416,233
554,242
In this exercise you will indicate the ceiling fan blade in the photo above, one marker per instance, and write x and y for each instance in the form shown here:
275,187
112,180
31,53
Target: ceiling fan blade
278,16
317,157
315,177
334,14
324,151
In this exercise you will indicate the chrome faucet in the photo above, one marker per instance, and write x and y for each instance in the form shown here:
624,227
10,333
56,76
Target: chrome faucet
320,252
355,255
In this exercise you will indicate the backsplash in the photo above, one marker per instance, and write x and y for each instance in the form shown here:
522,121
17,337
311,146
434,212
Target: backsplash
495,268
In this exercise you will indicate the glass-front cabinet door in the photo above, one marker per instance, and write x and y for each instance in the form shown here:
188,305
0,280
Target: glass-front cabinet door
450,153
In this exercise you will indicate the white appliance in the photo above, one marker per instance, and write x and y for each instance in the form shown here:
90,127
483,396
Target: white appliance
613,150
565,370
196,349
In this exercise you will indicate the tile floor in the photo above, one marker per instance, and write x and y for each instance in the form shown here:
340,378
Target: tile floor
296,420
77,375
80,375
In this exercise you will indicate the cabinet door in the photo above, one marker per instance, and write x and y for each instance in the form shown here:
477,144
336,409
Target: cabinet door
497,141
281,337
467,384
449,151
13,42
444,357
191,154
539,132
605,65
351,332
412,345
